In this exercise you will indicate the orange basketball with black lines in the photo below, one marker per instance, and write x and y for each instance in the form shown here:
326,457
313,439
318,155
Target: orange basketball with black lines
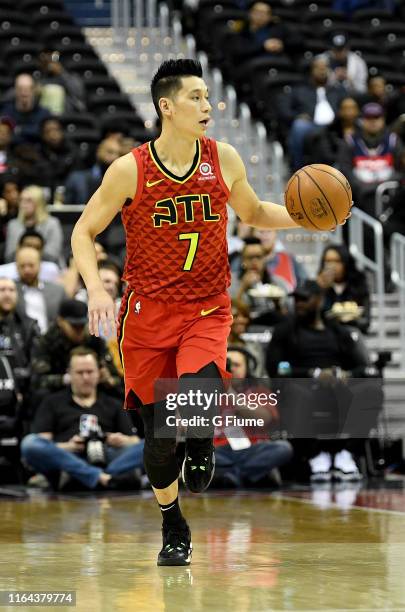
318,197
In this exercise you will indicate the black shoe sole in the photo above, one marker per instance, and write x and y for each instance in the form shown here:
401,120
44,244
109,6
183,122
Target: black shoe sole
183,475
173,562
176,562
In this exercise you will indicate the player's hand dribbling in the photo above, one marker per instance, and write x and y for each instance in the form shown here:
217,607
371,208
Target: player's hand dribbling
101,311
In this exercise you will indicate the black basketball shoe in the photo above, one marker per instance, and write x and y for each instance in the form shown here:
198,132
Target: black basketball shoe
198,468
177,546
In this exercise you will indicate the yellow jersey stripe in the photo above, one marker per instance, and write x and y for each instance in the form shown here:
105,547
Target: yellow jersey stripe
167,173
122,330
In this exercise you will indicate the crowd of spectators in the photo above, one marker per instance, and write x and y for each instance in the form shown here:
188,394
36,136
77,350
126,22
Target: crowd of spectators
53,372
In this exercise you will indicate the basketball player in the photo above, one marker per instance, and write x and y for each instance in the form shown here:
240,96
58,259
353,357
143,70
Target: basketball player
175,316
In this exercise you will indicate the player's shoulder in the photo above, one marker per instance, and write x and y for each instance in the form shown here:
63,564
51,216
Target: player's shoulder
226,150
227,154
230,161
125,167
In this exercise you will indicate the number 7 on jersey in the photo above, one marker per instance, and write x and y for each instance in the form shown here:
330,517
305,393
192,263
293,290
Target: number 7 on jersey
192,249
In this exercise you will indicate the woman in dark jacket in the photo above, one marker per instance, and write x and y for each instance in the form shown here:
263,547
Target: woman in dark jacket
343,282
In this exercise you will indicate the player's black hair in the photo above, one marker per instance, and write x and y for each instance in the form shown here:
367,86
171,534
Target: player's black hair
167,80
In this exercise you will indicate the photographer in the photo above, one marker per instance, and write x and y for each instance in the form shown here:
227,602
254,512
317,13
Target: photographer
331,356
69,422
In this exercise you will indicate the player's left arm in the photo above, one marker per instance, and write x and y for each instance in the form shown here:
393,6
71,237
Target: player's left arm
244,201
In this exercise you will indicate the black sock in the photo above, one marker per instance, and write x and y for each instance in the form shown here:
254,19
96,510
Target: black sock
171,513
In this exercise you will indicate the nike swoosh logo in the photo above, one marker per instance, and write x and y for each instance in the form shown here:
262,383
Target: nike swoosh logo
166,509
204,313
153,183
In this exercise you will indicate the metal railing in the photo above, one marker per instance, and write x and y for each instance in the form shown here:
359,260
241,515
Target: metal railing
359,222
398,278
152,35
380,196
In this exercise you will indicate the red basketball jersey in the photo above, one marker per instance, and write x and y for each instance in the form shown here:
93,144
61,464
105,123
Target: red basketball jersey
176,228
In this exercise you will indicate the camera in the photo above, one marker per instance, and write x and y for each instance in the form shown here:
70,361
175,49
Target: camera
93,437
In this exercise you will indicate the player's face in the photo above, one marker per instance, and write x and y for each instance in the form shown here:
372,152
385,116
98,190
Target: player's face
190,108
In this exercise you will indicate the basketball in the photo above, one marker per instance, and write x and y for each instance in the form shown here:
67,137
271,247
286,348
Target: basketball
318,197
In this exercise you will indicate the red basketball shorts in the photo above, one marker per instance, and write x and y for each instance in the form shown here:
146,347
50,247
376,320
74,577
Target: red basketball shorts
159,340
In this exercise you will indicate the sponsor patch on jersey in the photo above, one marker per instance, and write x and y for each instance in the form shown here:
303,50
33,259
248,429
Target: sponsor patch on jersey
206,173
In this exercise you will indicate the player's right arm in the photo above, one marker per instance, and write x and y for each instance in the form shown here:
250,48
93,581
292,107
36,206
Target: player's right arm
119,184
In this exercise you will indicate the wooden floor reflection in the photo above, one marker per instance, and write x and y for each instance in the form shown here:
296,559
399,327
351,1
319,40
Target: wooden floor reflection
256,552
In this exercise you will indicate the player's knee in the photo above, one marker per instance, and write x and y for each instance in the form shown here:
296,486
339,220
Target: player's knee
158,451
160,462
208,371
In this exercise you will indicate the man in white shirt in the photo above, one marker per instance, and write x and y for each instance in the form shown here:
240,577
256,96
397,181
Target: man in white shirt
346,67
38,300
48,270
310,106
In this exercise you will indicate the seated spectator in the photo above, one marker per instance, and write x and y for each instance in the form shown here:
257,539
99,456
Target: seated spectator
351,6
395,110
57,444
251,458
81,184
110,276
32,213
393,217
58,156
239,327
72,281
369,157
346,67
376,92
327,352
9,197
17,335
51,355
25,110
127,143
309,107
281,266
324,146
262,34
38,300
6,137
26,164
61,91
343,282
48,270
256,288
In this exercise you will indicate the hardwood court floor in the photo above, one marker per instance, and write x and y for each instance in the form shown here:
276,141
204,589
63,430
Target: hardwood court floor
292,550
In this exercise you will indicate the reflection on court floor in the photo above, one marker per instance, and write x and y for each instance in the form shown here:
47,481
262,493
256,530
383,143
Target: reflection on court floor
300,549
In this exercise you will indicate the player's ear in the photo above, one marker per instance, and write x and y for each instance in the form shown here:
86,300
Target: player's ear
165,107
